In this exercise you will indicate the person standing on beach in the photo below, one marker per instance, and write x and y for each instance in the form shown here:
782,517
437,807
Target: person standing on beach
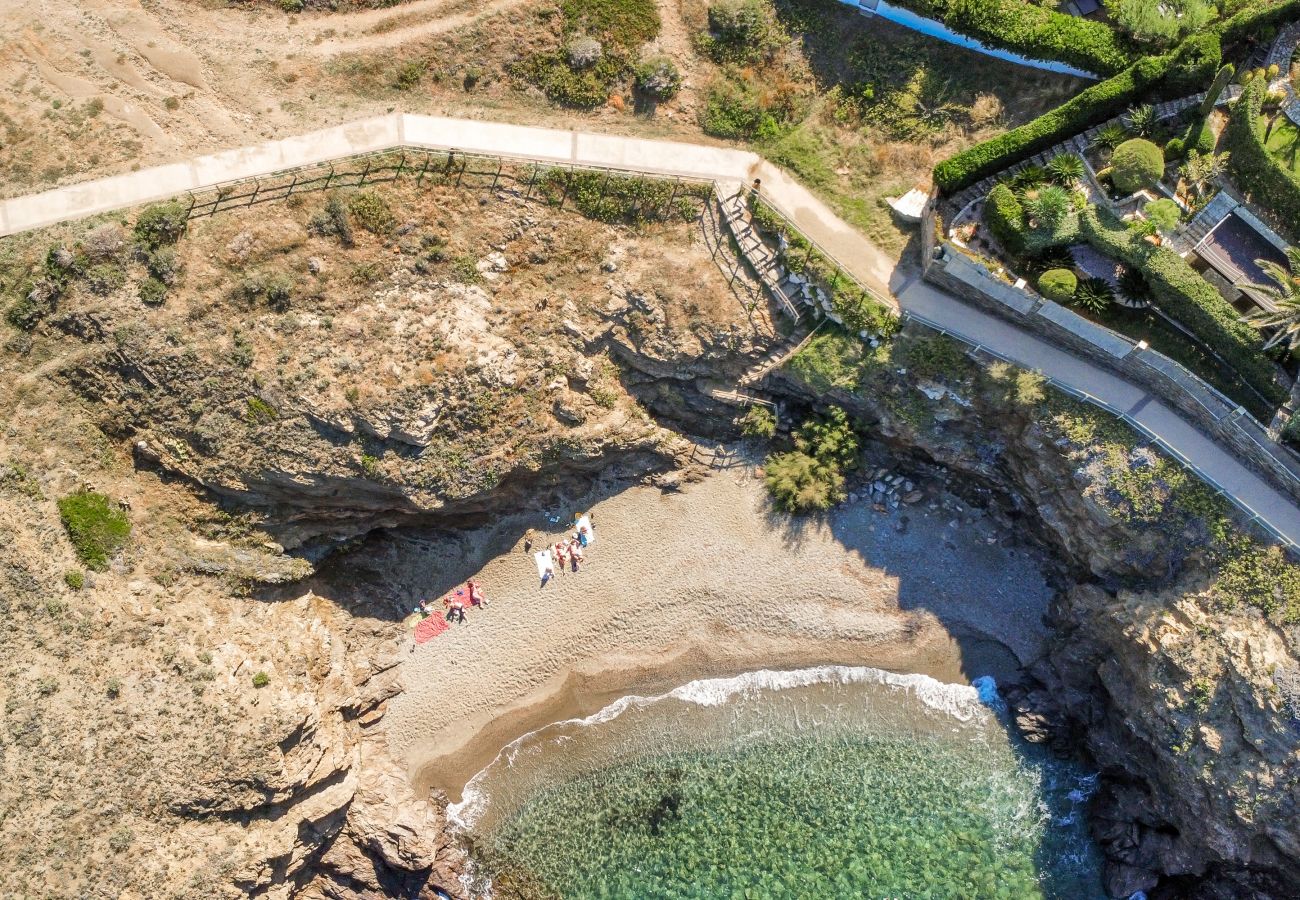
528,540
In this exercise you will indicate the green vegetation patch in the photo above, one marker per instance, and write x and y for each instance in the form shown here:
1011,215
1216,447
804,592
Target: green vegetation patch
626,199
1146,489
596,52
1032,30
97,527
810,478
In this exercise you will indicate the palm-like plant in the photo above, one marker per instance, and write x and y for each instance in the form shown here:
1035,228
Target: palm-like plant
1142,119
1132,284
1065,168
1049,207
1093,294
1111,136
1203,168
1284,293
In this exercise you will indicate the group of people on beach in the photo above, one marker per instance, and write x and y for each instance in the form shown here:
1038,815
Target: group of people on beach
567,554
454,602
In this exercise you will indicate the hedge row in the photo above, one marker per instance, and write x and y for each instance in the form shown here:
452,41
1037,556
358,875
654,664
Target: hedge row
1005,217
1254,22
1253,168
1185,70
1097,103
1188,298
1031,30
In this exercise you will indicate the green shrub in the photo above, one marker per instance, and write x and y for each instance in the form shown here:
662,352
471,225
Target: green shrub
1065,168
1175,149
1057,285
1253,168
733,110
811,477
799,483
165,265
75,579
113,688
1158,23
1195,63
1005,217
152,292
1137,164
1188,298
259,412
623,23
278,291
162,223
1221,81
1255,21
758,421
409,74
1101,101
740,31
1029,29
657,77
372,212
97,528
333,220
105,278
261,679
36,300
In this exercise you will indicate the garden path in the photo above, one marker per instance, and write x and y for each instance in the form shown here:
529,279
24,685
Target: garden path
734,167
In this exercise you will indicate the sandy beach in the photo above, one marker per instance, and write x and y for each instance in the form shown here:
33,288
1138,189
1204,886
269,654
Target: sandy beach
701,582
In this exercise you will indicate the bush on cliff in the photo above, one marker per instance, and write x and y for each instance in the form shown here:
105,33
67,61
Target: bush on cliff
96,527
810,478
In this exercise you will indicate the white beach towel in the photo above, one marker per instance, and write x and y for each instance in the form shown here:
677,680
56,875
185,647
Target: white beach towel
544,562
585,522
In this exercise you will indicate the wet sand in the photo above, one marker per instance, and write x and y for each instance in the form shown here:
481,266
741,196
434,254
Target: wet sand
700,583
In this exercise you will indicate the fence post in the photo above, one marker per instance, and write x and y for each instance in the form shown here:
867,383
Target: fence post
532,179
673,196
189,212
364,173
419,179
401,164
292,185
257,186
329,177
497,176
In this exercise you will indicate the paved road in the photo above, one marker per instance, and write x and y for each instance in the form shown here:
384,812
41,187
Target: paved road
854,252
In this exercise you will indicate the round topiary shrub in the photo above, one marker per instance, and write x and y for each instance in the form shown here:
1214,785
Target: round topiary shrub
1137,164
1057,285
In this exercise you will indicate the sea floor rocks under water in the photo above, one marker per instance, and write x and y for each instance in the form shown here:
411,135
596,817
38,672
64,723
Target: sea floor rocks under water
824,782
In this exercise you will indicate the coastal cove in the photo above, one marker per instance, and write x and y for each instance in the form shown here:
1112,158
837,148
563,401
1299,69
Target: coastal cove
706,582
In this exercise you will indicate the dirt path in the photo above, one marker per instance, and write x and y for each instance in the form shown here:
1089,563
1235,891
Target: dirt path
406,24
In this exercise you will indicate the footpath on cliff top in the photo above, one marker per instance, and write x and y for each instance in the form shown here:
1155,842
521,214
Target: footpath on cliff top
732,169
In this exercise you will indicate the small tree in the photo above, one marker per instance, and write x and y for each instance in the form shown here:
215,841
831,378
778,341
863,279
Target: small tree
759,421
1203,168
1284,293
1137,164
1164,214
1057,285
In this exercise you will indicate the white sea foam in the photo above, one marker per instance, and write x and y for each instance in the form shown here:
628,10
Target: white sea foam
964,703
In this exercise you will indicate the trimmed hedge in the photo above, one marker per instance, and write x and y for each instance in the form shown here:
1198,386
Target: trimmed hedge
1031,30
1137,164
1188,298
1097,103
1253,168
1005,217
1252,23
1057,284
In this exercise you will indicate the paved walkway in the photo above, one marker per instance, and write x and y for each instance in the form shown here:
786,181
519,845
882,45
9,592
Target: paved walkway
854,252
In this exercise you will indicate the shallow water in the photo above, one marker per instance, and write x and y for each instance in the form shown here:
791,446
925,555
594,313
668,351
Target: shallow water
827,782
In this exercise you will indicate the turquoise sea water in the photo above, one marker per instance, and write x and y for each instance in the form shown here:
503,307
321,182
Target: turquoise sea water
829,782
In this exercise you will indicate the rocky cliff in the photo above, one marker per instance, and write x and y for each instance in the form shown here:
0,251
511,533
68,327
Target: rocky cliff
1175,654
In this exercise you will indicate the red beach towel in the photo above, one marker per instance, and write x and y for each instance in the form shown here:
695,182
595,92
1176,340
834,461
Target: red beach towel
429,628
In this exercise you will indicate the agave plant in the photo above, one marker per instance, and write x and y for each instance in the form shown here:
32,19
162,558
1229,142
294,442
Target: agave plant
1133,284
1142,119
1203,168
1284,294
1065,169
1093,295
1111,136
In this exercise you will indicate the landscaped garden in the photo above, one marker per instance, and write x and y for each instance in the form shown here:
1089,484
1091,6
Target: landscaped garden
1102,226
